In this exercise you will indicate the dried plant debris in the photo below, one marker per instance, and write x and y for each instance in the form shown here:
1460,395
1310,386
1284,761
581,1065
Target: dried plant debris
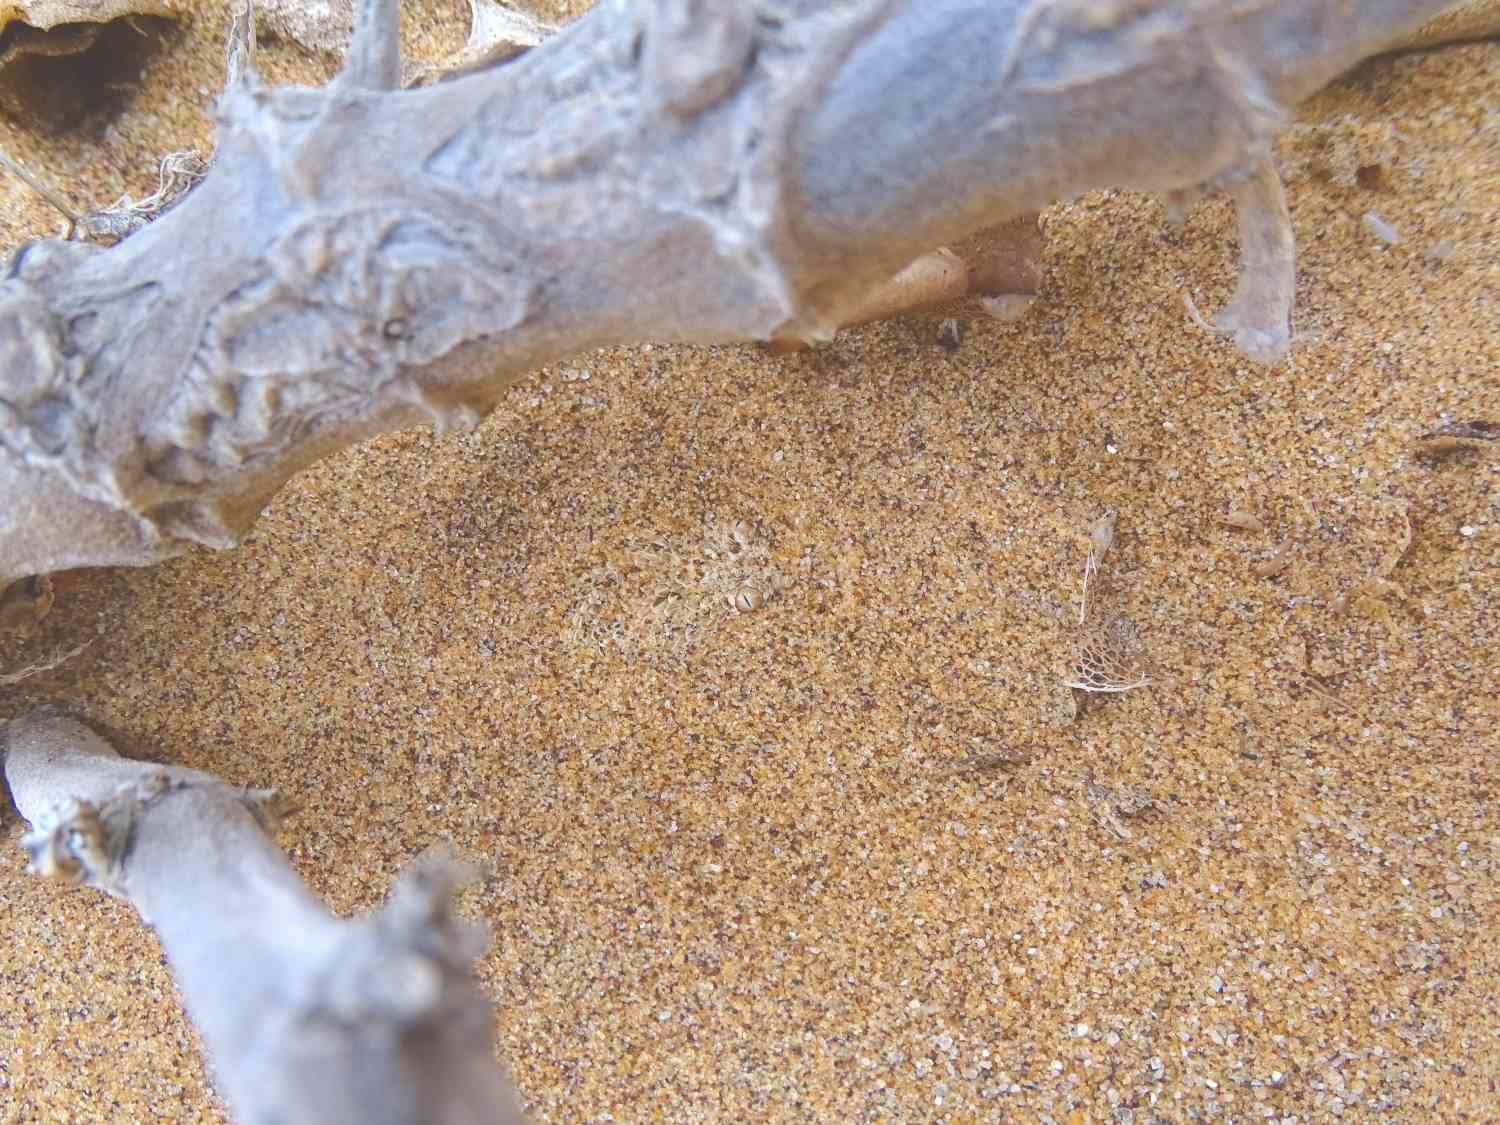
41,187
54,659
1113,806
666,594
1455,437
1107,657
1006,760
496,34
178,172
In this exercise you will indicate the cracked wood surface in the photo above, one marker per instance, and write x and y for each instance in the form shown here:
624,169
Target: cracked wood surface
362,258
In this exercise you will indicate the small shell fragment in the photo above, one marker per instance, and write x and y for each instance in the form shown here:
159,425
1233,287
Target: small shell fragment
1244,520
1270,566
1007,308
1381,229
747,599
1102,534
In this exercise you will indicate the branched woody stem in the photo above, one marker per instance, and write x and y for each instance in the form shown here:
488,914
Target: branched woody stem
308,1019
361,258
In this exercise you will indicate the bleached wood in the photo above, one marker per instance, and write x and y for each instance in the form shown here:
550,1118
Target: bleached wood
308,1019
362,258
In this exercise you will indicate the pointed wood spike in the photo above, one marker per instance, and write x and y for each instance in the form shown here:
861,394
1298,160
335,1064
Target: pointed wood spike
239,63
374,59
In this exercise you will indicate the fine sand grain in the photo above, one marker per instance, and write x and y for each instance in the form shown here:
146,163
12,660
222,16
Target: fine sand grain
739,676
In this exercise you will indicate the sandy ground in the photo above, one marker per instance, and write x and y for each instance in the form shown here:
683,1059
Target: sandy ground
735,867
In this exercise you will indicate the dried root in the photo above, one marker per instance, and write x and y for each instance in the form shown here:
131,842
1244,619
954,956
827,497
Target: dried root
1000,268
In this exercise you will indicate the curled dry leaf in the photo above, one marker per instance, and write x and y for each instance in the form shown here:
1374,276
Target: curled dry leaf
1105,661
1102,535
64,27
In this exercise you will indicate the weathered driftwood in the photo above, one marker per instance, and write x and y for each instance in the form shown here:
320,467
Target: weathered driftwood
306,1018
362,258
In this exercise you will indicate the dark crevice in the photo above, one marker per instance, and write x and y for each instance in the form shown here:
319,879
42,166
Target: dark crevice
78,74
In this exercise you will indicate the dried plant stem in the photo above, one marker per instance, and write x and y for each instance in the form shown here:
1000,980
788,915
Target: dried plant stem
41,187
307,1018
362,258
42,664
1101,537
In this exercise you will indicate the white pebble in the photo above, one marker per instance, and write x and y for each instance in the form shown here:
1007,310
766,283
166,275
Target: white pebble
1381,229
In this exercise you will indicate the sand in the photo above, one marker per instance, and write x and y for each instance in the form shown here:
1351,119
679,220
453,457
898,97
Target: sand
739,865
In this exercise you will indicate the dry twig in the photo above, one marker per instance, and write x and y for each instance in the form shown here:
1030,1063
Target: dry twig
308,1019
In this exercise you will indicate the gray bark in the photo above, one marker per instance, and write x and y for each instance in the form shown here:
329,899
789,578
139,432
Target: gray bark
362,258
307,1018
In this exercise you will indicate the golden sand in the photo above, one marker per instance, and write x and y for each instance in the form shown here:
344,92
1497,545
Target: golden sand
732,870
